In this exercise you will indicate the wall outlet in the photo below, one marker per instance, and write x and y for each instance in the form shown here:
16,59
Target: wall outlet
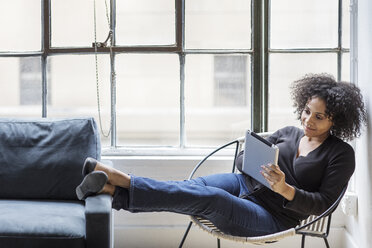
349,204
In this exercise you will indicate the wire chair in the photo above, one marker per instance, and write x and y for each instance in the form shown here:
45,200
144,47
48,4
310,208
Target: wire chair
315,226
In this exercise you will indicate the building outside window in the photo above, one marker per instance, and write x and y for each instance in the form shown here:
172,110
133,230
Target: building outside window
30,81
230,81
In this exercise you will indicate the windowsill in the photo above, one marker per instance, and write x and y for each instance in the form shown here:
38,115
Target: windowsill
166,151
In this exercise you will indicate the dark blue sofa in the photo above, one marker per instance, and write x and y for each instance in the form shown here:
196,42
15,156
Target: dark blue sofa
40,167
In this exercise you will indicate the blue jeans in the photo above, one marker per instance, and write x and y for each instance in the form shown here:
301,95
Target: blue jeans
214,197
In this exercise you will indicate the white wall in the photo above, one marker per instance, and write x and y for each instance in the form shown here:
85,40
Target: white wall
360,227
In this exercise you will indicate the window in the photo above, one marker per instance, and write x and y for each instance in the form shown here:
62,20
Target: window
179,74
305,37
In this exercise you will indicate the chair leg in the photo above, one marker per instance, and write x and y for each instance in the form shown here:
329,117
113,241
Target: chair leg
303,241
185,235
218,243
326,241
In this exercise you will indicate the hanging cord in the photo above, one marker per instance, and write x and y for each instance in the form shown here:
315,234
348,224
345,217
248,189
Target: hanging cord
113,74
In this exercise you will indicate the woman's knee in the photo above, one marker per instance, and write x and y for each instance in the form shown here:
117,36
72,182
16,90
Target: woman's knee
215,200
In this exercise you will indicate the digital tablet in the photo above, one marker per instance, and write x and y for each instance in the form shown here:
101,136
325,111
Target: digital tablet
258,151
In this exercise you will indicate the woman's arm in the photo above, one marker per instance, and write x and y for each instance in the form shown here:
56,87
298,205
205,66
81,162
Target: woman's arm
335,176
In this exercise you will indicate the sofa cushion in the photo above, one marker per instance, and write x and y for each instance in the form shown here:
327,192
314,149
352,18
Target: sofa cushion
33,223
42,158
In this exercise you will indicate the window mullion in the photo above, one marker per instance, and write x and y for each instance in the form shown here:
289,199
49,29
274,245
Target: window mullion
113,75
180,24
257,66
180,44
45,47
44,86
182,101
339,45
354,41
265,53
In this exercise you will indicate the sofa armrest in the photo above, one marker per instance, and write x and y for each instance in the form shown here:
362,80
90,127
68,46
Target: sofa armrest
98,220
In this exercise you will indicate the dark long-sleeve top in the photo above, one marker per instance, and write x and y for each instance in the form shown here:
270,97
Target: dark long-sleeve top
318,177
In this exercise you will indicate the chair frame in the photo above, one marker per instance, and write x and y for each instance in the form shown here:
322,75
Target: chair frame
312,226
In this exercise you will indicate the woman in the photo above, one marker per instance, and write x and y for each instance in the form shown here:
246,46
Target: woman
313,167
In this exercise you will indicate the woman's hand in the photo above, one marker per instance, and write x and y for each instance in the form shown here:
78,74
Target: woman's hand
276,178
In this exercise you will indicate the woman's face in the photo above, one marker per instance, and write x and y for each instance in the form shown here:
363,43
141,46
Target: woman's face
315,122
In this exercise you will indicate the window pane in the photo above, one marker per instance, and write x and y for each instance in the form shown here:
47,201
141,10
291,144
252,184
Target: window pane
303,23
20,87
73,90
218,24
346,23
286,68
73,22
20,25
30,81
148,93
345,73
217,98
145,22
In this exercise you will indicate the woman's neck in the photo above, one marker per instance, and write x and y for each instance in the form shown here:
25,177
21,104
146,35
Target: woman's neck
317,139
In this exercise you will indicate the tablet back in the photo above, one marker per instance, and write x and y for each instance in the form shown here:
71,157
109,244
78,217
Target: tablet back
257,152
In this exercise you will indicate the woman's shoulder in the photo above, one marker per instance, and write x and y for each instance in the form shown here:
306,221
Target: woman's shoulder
341,155
290,131
340,146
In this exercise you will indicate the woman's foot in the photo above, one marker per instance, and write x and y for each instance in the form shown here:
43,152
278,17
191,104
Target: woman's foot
92,164
92,184
89,166
115,177
108,189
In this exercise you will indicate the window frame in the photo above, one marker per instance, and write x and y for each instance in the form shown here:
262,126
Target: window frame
259,54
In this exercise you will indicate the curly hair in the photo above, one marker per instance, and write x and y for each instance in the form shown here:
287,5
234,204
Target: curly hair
344,103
